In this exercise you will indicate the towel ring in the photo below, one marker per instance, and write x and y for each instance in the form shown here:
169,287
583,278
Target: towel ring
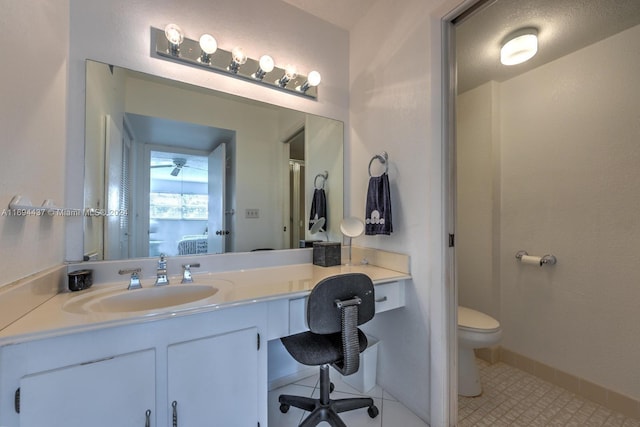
382,158
324,177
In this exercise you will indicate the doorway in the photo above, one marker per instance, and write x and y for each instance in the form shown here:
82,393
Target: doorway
178,203
295,146
540,146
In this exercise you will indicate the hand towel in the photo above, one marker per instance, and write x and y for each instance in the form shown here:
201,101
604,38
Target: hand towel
378,207
318,209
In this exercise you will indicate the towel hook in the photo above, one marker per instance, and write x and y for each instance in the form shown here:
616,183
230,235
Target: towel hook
324,177
382,158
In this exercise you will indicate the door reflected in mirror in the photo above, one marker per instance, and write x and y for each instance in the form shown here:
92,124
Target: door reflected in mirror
194,171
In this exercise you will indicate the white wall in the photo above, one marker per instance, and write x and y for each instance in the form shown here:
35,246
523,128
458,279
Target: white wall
478,194
118,32
33,103
569,135
396,89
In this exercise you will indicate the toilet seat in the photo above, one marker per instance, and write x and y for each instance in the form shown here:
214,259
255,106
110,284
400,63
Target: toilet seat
476,321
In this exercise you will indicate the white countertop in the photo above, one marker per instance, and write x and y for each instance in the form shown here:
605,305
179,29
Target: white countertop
247,286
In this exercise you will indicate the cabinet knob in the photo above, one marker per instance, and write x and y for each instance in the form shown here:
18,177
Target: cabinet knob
147,416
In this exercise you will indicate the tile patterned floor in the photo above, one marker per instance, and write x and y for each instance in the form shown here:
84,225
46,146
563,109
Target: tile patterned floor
511,398
514,398
392,412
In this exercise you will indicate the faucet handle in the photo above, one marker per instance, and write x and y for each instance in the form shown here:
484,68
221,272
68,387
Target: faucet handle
186,272
134,282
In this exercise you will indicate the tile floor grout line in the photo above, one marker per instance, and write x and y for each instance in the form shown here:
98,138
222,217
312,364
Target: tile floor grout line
512,396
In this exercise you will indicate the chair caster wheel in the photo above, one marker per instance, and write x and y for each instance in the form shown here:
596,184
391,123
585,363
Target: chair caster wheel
373,411
331,387
284,408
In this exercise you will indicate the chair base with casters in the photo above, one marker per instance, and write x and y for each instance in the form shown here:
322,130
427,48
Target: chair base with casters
336,307
324,408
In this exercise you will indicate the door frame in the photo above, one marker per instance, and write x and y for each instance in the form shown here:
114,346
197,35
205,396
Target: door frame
143,188
448,104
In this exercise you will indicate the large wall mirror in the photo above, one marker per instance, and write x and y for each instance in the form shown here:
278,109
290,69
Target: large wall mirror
181,170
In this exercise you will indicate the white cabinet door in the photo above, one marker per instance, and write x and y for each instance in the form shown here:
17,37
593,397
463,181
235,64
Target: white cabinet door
214,380
105,393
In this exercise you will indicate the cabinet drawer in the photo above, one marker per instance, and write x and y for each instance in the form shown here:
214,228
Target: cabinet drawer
389,296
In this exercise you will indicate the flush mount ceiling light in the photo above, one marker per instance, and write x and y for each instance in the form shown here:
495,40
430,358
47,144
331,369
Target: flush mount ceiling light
519,47
171,44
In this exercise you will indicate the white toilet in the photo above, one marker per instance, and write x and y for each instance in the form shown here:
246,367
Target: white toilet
475,330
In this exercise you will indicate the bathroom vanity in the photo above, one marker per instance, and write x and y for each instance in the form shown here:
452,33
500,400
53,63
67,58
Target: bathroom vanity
200,363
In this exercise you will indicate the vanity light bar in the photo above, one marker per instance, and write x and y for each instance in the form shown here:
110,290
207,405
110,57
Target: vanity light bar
189,52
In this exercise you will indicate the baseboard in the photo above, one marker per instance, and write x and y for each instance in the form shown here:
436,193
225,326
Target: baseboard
490,355
613,400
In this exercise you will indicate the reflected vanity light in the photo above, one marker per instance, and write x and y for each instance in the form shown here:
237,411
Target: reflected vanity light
209,45
265,65
520,47
171,44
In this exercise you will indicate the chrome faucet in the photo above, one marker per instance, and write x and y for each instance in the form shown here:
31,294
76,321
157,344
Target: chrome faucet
161,273
134,282
186,272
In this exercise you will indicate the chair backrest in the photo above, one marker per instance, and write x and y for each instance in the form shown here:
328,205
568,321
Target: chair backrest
323,314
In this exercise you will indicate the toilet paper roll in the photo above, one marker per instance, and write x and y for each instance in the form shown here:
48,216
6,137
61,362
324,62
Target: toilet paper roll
532,260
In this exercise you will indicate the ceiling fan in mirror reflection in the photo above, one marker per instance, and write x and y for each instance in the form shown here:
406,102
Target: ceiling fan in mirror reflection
177,165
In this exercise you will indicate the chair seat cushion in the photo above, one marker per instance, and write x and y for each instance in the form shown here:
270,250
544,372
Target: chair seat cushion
315,349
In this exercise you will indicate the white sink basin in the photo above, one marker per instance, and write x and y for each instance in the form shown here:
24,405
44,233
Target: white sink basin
146,299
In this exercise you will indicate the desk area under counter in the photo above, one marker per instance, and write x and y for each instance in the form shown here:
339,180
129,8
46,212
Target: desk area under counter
142,363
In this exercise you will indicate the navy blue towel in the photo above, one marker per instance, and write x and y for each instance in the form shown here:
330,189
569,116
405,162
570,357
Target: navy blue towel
378,208
318,209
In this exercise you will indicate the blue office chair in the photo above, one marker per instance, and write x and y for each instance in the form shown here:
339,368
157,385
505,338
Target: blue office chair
337,306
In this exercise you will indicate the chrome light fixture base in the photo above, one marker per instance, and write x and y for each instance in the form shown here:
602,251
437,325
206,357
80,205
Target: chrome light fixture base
190,53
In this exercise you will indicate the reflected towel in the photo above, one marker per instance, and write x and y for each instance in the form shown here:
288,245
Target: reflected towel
318,209
378,207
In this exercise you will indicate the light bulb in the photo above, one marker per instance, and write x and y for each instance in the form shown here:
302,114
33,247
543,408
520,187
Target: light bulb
238,58
265,65
520,48
290,73
313,79
175,36
208,44
239,55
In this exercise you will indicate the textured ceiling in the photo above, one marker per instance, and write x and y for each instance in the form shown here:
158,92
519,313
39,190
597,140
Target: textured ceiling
564,26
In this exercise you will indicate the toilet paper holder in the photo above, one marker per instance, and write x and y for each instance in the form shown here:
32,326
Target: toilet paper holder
546,259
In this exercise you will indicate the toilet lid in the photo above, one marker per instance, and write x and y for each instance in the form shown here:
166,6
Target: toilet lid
472,319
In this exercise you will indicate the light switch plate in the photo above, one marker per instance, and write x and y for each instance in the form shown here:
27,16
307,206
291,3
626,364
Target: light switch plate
252,213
